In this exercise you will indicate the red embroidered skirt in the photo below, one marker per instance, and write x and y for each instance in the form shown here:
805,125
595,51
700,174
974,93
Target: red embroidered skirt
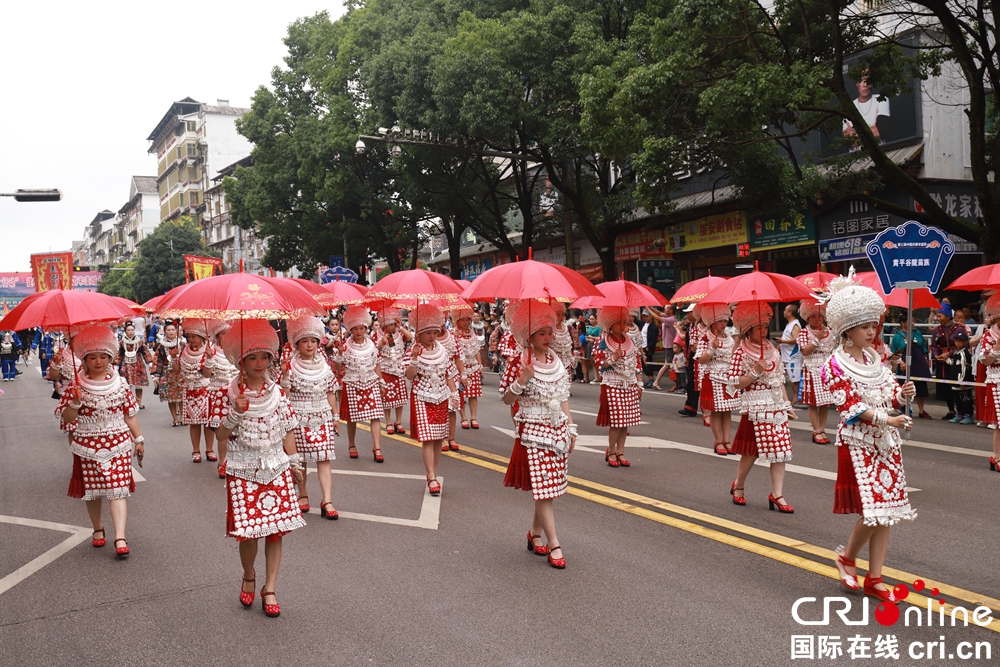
194,409
814,392
473,385
428,421
262,510
619,407
846,495
541,471
395,392
763,439
361,405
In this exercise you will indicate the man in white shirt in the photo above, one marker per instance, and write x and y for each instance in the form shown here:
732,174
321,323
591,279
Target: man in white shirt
870,108
791,355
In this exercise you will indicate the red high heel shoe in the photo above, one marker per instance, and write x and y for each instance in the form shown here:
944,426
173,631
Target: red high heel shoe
737,500
434,487
883,595
222,470
782,507
246,599
270,610
122,552
607,458
332,514
850,581
377,453
304,507
720,449
352,451
623,462
558,563
540,550
994,465
453,446
98,542
390,429
400,430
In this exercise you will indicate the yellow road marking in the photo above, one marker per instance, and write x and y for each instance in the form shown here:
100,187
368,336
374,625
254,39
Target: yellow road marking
498,463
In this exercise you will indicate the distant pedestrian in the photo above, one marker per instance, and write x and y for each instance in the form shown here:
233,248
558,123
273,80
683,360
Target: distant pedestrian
791,355
960,370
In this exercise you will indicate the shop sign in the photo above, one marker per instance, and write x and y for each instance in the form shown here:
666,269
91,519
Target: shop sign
910,256
641,244
838,250
709,232
769,233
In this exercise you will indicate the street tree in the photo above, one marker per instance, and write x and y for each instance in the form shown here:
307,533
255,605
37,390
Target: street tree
161,257
119,280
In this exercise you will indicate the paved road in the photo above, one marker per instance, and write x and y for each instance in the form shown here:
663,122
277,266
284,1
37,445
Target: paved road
663,569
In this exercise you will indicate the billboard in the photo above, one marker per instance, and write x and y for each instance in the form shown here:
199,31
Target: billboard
16,285
52,270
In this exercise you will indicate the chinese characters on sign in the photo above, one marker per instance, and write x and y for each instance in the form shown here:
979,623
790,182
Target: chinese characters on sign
709,232
769,233
810,647
52,271
640,244
865,225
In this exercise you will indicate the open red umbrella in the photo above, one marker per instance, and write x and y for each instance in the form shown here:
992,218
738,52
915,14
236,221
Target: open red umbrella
817,281
240,296
696,290
530,280
622,293
759,286
980,278
131,305
339,293
406,289
67,310
154,303
922,298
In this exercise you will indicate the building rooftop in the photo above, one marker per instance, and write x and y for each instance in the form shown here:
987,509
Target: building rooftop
179,108
145,184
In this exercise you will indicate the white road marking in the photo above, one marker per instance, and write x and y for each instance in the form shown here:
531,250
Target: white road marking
598,444
79,534
430,508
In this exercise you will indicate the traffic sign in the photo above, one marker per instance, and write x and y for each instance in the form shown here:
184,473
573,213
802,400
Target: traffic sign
338,273
910,256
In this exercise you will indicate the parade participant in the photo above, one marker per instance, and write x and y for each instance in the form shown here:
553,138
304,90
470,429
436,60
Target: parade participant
715,349
562,344
816,343
392,348
756,373
617,359
469,352
991,359
132,358
100,410
195,410
311,388
870,477
262,467
168,369
220,374
10,350
49,343
536,382
362,386
456,371
479,328
434,389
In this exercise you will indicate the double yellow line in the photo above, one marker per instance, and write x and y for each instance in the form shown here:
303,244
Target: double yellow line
763,543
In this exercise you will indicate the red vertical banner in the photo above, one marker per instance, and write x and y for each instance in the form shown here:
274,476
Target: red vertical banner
196,267
52,270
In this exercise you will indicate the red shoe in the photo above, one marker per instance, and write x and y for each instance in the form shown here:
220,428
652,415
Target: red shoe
377,453
434,487
270,610
444,447
704,420
994,465
246,599
820,439
475,424
222,470
465,424
737,500
390,429
121,552
453,446
558,563
400,430
332,514
883,595
850,581
352,452
623,462
607,457
720,449
729,449
96,541
196,457
541,549
783,508
211,456
304,506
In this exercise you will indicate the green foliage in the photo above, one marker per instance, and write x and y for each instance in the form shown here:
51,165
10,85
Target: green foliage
161,259
118,282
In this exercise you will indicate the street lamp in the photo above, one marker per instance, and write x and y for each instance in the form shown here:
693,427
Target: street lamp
34,195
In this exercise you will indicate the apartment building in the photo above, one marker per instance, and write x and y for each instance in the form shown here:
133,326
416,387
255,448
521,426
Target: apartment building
99,238
137,218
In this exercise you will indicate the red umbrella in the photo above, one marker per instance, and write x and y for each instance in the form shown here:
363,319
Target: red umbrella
66,309
759,286
464,283
983,277
340,293
154,303
622,293
817,280
408,288
530,280
240,296
697,289
922,298
131,305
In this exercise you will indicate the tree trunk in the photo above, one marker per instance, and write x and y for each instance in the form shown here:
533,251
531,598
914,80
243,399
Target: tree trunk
455,254
608,263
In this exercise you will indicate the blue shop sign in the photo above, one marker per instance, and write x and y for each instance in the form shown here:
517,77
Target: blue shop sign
839,250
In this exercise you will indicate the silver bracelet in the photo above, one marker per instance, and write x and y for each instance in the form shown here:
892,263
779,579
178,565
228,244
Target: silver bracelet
880,418
573,430
995,354
75,406
139,439
517,388
232,419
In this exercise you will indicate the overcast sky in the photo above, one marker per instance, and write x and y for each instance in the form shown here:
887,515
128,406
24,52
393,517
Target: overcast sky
84,84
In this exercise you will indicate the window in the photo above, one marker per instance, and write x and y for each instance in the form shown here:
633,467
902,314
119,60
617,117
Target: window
193,174
193,197
190,149
191,126
178,152
181,204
